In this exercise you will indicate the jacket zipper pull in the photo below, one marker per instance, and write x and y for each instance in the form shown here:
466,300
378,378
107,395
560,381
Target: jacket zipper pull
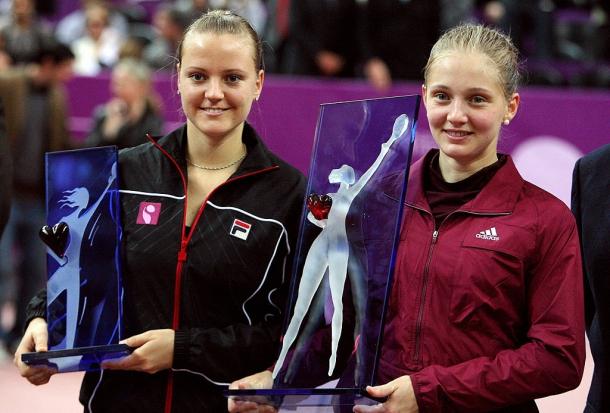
182,253
434,236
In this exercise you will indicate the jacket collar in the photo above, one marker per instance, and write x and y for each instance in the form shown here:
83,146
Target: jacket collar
257,158
499,196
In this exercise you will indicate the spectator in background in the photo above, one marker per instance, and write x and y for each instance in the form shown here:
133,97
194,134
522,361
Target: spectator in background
132,112
99,48
132,48
21,39
276,34
507,16
321,41
73,26
35,107
169,24
252,10
590,204
193,8
455,12
396,38
602,11
5,207
5,176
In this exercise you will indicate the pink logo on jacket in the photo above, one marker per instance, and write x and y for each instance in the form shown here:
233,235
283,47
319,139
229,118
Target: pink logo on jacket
149,213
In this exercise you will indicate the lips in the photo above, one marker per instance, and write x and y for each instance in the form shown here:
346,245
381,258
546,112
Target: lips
214,111
457,134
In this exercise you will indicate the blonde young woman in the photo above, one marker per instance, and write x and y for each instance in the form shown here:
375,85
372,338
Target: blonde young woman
209,219
486,311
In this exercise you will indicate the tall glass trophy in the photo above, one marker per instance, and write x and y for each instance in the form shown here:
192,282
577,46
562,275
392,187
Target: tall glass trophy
345,255
82,235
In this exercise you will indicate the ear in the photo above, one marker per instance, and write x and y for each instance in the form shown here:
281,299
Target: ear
423,94
260,79
513,106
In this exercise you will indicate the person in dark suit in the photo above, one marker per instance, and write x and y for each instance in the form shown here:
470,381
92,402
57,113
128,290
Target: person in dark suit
5,174
591,206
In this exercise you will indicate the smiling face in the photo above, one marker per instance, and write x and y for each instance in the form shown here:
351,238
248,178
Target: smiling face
466,107
217,81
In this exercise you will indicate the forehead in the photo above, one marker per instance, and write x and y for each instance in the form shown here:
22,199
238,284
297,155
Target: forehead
218,49
123,74
464,69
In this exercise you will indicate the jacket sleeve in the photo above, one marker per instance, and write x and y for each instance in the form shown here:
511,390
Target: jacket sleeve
551,358
37,307
222,355
576,210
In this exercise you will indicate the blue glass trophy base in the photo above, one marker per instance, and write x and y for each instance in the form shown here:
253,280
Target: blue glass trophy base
305,397
86,358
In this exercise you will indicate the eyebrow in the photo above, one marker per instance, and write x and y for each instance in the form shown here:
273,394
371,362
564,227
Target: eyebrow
470,90
230,70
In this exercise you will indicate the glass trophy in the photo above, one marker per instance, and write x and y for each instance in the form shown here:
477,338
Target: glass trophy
82,235
345,255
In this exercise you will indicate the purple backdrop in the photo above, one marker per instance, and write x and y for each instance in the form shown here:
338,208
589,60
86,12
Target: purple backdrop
553,126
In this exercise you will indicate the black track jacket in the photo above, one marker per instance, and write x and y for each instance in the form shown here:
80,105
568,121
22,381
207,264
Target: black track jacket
230,272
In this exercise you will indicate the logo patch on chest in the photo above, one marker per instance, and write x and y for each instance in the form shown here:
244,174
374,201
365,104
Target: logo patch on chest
489,234
240,229
149,213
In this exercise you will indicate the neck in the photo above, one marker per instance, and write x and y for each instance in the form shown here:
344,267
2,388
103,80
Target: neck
454,170
214,151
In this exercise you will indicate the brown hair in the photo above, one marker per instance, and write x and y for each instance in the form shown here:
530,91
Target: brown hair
490,42
221,22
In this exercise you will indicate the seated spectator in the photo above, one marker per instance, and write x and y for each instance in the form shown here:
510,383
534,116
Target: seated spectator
132,113
396,38
133,48
22,37
252,10
169,24
194,8
100,46
321,41
73,26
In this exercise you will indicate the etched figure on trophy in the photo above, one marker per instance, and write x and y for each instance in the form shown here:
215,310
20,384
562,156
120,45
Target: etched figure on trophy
84,287
344,257
66,278
329,253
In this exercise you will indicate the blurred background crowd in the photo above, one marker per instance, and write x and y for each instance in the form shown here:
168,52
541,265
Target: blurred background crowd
564,42
43,43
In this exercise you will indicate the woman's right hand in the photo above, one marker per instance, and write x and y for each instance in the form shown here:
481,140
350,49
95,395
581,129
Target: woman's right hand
117,115
262,380
34,339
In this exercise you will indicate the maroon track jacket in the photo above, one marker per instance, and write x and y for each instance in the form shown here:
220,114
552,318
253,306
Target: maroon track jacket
486,313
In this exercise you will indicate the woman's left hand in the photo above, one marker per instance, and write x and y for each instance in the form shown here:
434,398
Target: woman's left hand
154,351
400,394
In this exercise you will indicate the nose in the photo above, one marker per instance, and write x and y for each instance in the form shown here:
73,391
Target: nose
457,112
214,90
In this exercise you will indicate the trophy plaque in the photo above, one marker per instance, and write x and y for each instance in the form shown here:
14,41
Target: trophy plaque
344,259
83,233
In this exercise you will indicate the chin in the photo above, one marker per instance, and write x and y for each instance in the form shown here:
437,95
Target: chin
457,151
